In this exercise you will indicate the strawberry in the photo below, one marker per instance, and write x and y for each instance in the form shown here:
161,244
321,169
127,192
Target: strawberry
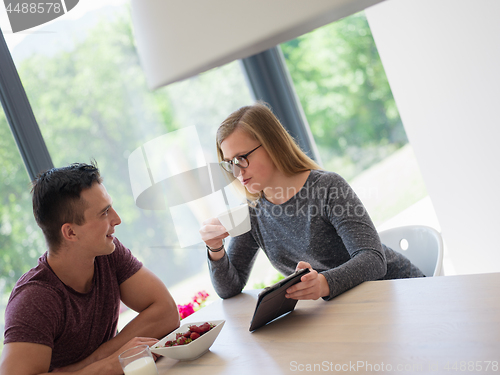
181,341
195,328
205,327
194,335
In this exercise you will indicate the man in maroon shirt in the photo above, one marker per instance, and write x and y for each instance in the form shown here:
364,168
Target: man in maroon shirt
62,315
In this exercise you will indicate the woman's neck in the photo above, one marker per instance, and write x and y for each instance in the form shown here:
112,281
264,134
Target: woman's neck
285,187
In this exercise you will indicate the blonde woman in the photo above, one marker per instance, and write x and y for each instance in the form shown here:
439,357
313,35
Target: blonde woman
301,216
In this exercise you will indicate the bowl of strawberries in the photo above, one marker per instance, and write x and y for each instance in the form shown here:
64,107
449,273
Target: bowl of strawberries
189,341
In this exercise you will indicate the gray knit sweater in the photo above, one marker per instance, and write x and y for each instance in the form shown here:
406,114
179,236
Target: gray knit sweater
324,224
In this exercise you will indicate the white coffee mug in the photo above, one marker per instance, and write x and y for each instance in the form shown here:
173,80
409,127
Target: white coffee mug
236,220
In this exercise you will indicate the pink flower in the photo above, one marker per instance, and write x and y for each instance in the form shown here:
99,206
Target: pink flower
197,303
185,310
200,297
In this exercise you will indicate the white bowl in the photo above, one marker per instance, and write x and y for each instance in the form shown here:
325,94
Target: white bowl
194,349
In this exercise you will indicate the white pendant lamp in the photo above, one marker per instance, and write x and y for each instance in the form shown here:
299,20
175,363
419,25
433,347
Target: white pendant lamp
181,38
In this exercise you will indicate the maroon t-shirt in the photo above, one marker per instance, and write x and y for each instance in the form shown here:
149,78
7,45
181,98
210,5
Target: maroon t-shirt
43,310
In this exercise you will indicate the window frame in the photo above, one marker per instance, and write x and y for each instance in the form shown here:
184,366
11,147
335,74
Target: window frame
20,116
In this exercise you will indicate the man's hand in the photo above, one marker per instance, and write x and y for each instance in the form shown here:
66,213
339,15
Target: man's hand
136,341
22,358
112,360
311,286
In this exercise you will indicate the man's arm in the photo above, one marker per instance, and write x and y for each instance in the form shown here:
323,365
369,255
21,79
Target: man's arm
145,293
158,315
23,358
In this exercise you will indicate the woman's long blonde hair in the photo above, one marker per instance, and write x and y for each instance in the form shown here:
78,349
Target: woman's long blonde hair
259,122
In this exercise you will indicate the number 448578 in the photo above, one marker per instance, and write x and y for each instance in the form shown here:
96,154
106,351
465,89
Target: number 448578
472,366
34,8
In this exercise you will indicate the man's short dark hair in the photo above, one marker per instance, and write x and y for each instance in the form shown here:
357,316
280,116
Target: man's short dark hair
56,198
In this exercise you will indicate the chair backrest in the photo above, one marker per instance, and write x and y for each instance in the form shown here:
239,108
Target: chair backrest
422,245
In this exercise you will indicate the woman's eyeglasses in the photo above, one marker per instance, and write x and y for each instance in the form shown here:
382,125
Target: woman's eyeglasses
240,161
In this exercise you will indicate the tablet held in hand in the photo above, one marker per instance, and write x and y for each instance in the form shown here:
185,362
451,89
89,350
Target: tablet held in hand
272,303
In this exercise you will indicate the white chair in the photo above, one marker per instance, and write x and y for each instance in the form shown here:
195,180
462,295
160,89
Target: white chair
422,245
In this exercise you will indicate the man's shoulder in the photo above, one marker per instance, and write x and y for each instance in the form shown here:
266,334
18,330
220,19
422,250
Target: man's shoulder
120,254
121,262
38,281
38,289
41,276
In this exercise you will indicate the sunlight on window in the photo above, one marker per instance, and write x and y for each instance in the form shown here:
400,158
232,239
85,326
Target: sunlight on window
348,103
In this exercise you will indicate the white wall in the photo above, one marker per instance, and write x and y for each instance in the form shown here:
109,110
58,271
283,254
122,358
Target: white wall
442,59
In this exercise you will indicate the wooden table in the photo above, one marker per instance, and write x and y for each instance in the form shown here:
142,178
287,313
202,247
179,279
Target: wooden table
438,325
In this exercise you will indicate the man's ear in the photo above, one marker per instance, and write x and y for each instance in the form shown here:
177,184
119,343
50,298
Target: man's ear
68,232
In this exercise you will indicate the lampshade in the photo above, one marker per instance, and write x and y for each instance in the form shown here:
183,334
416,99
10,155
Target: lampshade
178,39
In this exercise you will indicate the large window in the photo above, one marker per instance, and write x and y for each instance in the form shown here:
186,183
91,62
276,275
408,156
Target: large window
341,84
21,243
89,96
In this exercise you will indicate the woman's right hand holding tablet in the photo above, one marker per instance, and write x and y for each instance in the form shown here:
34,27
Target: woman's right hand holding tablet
212,233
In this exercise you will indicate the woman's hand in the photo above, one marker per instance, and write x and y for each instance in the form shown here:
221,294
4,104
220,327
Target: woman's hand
312,285
212,233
